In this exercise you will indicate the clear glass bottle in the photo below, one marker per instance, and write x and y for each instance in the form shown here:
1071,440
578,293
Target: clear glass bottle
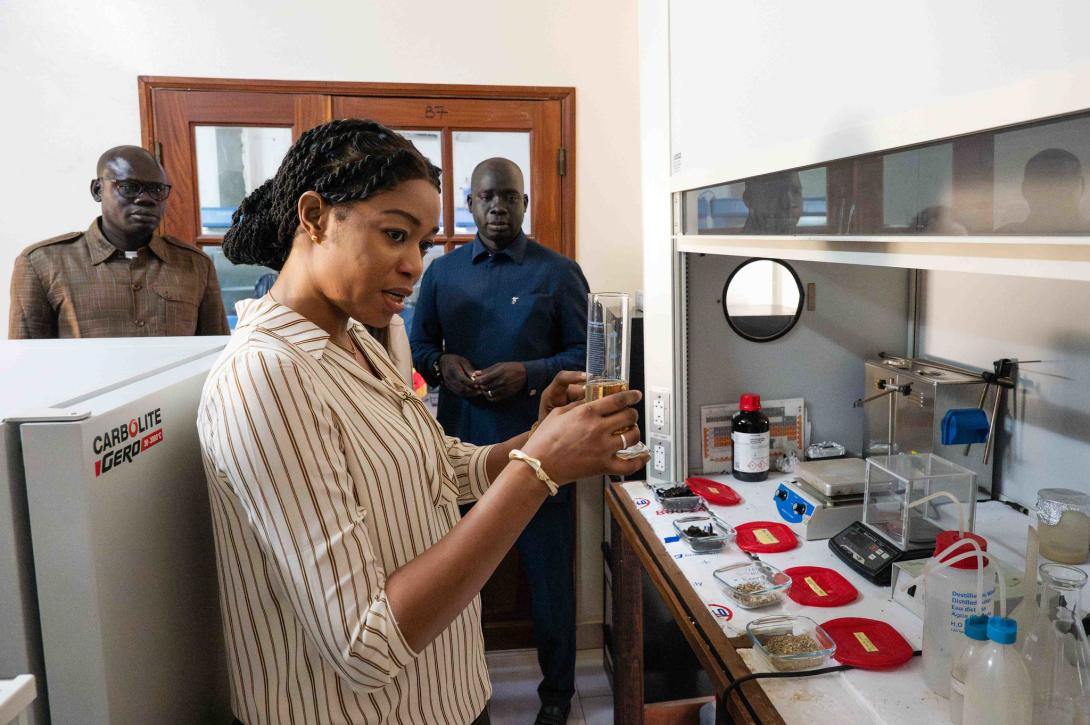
1063,524
1057,652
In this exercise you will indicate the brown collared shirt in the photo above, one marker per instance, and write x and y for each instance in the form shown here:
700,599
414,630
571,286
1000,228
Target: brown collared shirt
80,285
323,480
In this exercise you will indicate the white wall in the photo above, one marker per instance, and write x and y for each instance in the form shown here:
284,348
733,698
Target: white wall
70,68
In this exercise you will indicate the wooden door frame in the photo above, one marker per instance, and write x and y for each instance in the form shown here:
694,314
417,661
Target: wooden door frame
147,85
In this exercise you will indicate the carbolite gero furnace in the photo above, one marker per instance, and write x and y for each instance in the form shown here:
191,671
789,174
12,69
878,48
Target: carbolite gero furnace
108,591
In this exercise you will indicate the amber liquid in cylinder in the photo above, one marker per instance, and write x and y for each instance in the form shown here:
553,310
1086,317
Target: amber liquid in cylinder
598,389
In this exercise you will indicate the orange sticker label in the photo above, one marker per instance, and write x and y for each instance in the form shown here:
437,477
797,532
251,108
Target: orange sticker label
865,641
765,536
814,585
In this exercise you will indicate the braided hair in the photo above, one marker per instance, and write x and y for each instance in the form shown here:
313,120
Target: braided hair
343,161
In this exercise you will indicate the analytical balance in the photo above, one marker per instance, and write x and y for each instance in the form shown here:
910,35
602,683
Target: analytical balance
894,530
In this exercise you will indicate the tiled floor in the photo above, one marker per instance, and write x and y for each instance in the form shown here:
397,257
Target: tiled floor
515,676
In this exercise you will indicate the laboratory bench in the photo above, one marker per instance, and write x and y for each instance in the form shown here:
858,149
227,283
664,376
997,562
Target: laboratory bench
714,628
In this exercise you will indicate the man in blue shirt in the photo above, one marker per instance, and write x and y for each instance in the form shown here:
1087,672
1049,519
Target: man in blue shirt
496,320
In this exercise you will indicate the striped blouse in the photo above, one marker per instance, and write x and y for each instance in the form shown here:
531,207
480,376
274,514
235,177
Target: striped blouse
322,479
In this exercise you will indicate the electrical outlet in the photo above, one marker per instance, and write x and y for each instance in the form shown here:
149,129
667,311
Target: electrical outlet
660,411
660,464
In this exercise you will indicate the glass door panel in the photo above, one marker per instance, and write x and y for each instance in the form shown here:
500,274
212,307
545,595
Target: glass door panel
1025,180
238,281
429,143
216,146
232,161
473,147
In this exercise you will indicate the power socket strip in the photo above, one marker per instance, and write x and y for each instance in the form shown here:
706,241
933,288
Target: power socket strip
660,411
661,464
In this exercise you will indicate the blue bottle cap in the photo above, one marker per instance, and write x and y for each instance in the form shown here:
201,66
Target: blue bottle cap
1002,630
976,627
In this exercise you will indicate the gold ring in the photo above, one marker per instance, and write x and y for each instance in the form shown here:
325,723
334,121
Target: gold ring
624,441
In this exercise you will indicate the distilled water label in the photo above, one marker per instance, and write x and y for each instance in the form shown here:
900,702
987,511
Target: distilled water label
964,605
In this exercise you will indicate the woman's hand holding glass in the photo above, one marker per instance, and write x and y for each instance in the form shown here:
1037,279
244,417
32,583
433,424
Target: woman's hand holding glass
580,439
569,386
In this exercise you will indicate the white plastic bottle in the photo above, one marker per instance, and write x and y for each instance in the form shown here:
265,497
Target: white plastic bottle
950,596
998,690
976,633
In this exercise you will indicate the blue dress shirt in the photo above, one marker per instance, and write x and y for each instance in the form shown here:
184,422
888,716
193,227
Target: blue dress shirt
525,303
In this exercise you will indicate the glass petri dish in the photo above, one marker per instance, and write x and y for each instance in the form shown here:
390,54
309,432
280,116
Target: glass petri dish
753,584
791,642
702,544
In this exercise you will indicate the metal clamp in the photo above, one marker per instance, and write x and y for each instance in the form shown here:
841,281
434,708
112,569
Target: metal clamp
887,387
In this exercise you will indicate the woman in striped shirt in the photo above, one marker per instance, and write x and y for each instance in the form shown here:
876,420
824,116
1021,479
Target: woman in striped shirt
349,583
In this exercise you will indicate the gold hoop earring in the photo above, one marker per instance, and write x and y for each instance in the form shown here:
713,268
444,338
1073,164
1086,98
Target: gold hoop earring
313,238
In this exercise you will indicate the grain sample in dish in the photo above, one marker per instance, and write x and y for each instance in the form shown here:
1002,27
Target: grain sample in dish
791,643
753,584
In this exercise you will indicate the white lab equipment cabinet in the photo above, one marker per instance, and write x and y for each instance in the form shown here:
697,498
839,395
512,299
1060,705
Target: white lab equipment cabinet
965,293
913,139
107,561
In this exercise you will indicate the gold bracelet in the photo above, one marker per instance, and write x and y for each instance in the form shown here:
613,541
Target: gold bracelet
517,455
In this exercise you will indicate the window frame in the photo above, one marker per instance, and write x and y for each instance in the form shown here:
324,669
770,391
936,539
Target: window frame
314,104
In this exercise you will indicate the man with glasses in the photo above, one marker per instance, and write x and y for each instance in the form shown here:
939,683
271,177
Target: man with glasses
118,278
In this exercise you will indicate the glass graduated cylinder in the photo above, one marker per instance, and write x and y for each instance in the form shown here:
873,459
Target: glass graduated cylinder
609,331
609,323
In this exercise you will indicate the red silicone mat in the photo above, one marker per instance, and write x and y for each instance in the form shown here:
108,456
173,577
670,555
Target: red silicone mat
764,537
714,492
817,586
867,643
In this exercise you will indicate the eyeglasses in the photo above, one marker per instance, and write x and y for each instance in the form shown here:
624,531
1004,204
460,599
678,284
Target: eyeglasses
131,190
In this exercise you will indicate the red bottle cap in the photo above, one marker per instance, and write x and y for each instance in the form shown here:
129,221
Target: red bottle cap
946,538
816,586
749,402
764,537
713,492
867,643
